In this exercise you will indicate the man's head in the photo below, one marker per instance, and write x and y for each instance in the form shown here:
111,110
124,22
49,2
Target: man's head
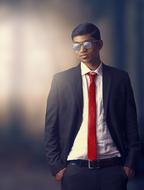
86,28
87,42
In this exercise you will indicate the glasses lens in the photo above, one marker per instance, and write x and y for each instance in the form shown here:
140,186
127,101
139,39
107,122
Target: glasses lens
87,45
76,46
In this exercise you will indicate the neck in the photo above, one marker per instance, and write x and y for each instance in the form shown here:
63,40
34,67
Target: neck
93,66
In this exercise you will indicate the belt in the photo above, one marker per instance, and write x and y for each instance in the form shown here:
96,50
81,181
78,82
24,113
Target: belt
102,163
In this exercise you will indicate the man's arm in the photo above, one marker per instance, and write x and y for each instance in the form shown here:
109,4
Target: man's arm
131,129
51,131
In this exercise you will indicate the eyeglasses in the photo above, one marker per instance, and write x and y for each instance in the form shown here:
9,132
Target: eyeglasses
86,45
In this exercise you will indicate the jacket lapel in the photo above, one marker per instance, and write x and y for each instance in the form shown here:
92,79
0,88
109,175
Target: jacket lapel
106,87
77,91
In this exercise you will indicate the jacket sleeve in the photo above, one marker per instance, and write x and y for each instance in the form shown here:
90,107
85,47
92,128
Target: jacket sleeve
131,127
52,146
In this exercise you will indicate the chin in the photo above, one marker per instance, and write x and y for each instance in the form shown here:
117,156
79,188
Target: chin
85,60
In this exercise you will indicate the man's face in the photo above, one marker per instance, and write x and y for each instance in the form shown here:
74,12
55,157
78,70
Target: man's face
85,51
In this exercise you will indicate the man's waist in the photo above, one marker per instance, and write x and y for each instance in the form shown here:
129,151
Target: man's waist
101,163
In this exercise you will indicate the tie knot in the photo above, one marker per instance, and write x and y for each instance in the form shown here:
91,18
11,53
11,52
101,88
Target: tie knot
92,76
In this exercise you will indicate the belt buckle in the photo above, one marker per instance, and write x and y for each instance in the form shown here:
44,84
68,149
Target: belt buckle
91,164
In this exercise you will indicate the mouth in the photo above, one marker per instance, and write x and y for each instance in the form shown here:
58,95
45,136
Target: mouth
83,56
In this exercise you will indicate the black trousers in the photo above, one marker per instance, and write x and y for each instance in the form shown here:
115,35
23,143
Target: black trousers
82,178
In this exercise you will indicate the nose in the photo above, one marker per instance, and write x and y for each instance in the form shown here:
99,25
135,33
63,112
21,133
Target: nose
82,48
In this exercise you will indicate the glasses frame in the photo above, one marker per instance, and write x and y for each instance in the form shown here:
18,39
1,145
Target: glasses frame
82,44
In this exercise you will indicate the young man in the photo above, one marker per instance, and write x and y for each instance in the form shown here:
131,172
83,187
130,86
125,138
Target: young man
91,122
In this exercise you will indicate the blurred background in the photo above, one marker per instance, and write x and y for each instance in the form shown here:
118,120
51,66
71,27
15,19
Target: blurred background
34,44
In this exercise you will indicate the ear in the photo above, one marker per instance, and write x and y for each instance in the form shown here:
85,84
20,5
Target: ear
100,44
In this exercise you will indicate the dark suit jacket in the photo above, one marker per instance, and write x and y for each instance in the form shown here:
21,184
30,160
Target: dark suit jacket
64,115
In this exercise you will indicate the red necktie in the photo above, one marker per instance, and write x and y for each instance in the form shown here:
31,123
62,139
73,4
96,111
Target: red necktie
92,118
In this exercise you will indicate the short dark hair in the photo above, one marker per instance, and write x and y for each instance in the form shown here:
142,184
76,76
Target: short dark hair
86,28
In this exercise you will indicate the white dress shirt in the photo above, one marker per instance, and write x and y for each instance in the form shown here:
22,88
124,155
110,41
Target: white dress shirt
105,145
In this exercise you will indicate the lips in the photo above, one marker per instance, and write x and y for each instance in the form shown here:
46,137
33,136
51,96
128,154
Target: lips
83,56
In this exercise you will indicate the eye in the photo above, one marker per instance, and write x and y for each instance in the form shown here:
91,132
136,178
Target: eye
87,44
76,46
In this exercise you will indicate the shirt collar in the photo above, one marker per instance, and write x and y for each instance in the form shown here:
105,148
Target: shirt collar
85,69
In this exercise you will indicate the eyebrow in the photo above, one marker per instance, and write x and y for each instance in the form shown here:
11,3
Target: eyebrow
83,41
